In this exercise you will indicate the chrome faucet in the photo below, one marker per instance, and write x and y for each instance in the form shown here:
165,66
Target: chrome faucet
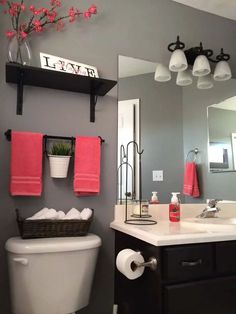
211,210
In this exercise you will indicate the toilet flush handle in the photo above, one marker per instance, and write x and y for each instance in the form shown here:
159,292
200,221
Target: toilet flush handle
21,260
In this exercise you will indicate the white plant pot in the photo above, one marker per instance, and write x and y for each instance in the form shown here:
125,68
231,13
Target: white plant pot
59,166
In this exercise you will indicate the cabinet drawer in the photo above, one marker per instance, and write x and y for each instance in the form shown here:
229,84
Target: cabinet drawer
214,296
187,262
226,257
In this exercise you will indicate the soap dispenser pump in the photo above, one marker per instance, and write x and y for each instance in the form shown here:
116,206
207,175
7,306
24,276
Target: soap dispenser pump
154,198
174,207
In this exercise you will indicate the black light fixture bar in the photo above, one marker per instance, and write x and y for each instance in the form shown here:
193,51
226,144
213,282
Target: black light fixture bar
176,45
194,52
223,56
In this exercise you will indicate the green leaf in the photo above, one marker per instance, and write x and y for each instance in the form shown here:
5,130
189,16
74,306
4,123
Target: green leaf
62,149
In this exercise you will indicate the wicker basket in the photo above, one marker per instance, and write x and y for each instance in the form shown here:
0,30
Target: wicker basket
46,228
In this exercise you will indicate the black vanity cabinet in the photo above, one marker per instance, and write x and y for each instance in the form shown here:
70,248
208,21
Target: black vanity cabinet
190,279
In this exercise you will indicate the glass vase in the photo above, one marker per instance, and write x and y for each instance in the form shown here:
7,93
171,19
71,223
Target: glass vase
19,51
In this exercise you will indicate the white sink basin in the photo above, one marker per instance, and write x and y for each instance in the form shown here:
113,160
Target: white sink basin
215,221
215,224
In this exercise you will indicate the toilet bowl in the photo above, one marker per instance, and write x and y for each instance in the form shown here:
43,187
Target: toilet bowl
51,275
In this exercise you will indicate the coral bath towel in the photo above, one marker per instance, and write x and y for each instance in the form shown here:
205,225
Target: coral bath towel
190,180
87,166
26,164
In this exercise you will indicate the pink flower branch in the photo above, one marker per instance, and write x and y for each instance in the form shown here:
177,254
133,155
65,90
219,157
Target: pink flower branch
40,18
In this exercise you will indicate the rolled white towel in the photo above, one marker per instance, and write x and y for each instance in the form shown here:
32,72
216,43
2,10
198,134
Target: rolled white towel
50,214
60,214
73,213
86,213
38,215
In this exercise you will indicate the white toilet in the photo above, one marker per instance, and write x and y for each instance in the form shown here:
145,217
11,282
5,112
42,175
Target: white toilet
51,275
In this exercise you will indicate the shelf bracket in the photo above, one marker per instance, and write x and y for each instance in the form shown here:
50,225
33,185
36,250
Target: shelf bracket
93,102
20,90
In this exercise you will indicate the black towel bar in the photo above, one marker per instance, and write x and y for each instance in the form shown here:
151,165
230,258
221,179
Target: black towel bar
8,137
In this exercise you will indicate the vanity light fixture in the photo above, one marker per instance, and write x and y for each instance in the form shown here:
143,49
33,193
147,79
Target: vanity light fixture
199,60
178,60
162,73
201,66
222,69
184,78
205,82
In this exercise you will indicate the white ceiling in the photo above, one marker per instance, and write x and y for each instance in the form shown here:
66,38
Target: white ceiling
225,8
132,66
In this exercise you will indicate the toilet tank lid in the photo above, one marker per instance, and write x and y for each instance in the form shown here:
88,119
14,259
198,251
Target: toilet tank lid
48,245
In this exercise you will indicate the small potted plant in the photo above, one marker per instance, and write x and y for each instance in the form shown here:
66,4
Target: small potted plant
59,159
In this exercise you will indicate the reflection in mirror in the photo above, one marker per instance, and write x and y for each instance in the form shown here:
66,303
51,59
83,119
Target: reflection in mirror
222,136
128,131
160,125
173,121
129,127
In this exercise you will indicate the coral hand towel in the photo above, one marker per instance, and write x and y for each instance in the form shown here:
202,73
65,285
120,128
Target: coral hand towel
190,180
26,164
87,166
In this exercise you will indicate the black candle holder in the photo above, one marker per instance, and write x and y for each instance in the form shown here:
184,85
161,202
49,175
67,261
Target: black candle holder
137,219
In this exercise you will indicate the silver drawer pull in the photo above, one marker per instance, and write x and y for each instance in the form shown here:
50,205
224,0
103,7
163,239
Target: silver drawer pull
191,263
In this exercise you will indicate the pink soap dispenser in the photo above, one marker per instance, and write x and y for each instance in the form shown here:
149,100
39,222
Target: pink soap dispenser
174,208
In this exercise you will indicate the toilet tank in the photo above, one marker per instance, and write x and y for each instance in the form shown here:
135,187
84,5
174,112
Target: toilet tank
51,275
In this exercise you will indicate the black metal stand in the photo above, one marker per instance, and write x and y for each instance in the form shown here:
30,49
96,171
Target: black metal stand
123,162
139,219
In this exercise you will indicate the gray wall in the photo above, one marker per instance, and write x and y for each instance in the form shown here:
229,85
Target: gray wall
195,131
136,28
161,132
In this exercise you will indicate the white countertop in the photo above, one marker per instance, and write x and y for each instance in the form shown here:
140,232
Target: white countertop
174,233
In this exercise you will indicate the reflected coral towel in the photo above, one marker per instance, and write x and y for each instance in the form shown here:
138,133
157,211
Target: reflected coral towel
87,166
26,164
190,180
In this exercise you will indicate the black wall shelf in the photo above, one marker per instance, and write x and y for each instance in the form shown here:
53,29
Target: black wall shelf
34,76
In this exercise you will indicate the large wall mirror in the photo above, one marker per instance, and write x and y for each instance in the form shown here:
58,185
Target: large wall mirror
170,122
222,136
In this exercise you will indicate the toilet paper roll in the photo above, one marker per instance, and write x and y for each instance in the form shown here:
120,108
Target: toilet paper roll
125,263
